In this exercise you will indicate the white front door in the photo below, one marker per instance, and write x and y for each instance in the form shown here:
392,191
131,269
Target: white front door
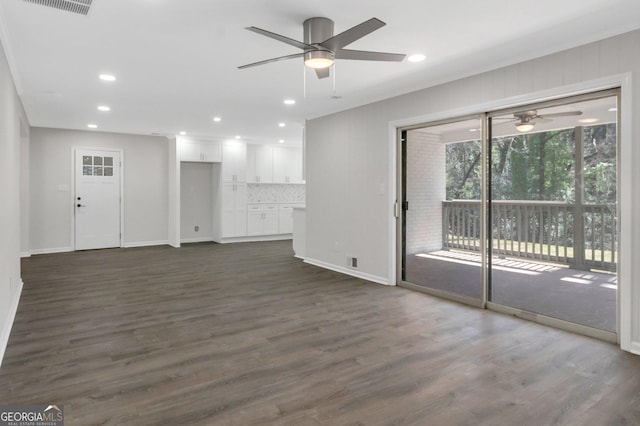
97,199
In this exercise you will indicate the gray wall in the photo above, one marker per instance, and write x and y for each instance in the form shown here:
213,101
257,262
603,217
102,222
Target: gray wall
145,177
12,122
349,156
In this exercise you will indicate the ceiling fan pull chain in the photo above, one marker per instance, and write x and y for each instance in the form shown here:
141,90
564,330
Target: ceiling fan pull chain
304,82
334,79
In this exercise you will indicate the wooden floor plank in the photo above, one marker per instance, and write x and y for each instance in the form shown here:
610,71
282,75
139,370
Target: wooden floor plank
243,334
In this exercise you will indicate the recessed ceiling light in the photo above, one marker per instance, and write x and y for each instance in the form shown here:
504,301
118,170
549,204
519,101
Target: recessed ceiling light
237,136
107,77
104,108
614,109
217,119
289,101
282,124
92,126
418,57
589,120
183,133
473,130
281,141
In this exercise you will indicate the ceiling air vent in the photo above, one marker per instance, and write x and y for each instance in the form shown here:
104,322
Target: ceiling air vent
75,6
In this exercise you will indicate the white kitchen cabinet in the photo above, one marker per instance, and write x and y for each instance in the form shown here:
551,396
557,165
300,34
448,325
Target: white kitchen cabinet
234,210
287,165
259,164
262,219
285,218
234,161
200,151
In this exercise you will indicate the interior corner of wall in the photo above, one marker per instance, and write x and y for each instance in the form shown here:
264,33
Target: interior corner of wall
7,322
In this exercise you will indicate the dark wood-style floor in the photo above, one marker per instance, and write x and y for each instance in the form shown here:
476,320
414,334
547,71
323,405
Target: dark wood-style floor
244,334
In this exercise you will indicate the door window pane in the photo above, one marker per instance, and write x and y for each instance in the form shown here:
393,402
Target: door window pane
553,211
441,240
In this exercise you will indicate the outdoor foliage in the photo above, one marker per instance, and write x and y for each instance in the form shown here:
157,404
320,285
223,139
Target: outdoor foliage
536,166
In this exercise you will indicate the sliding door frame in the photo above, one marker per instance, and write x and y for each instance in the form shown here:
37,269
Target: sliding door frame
620,85
536,317
400,212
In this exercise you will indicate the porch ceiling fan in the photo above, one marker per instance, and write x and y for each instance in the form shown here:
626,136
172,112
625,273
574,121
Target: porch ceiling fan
526,120
321,48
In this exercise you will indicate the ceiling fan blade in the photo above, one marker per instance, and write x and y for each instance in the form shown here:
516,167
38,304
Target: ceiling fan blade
283,39
561,114
352,34
363,55
323,72
506,121
268,61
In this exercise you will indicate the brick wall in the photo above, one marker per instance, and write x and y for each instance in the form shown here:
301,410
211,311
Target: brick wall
426,189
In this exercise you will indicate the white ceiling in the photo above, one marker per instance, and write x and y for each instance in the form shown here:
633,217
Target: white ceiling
176,60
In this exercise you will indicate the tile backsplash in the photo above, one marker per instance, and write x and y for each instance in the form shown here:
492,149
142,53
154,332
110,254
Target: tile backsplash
275,193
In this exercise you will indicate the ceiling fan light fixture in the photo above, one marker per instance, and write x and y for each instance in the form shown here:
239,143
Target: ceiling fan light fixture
524,127
418,57
318,59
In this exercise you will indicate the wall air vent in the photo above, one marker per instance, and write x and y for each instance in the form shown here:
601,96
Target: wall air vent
75,6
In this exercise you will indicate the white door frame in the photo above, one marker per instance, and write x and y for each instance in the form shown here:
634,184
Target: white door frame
72,195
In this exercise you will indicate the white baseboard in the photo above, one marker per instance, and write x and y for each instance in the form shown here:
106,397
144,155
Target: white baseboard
146,244
635,348
348,271
255,238
6,330
52,250
196,240
25,254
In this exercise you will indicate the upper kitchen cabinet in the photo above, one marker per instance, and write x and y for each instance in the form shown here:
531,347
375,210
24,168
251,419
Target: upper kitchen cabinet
234,161
199,151
287,165
259,164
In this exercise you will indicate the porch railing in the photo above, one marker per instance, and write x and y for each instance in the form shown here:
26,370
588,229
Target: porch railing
537,230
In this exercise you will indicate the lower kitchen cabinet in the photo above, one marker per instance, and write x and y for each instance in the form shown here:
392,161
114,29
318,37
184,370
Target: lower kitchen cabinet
285,218
262,219
234,210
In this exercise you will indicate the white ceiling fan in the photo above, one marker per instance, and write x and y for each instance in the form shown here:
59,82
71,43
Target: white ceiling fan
321,48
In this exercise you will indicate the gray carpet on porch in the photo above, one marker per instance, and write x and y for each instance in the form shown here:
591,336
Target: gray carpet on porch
581,297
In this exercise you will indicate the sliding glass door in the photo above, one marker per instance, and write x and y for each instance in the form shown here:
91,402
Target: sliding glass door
553,210
523,219
442,180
